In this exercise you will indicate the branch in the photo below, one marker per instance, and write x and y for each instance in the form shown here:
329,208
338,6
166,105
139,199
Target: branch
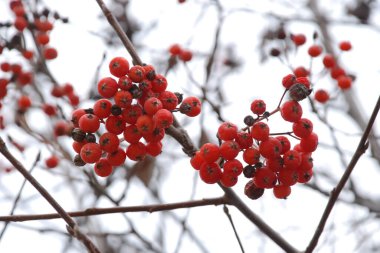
71,224
119,209
360,150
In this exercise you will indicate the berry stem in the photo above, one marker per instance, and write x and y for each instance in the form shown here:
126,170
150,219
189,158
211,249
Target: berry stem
120,32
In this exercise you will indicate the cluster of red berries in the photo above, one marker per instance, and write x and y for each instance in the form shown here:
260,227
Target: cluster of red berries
269,161
183,54
137,106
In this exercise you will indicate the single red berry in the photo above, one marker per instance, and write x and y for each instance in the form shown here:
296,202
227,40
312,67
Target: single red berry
288,177
159,83
285,143
336,72
281,191
210,152
163,118
154,148
150,72
185,55
328,61
57,91
233,166
62,128
251,156
49,109
145,85
229,149
102,108
89,123
103,168
145,124
305,176
175,49
210,173
298,39
288,80
107,87
132,134
76,115
77,146
275,164
344,82
43,25
260,131
244,139
228,179
115,124
24,102
16,68
5,67
123,98
90,152
137,73
50,53
136,151
270,148
52,161
109,142
119,66
116,158
28,54
152,105
291,111
227,131
322,96
169,100
42,38
124,83
197,160
265,178
292,159
258,106
158,134
309,143
132,113
301,72
302,128
314,50
191,106
306,162
20,23
345,46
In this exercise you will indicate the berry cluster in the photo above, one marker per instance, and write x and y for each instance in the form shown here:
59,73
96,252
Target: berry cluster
269,160
134,104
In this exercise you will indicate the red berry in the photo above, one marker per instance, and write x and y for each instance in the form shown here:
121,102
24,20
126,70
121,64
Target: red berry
264,178
328,61
50,53
185,55
251,156
288,80
152,105
228,179
49,109
345,45
210,173
191,106
150,72
154,148
233,166
322,96
24,102
270,148
288,177
107,87
163,118
52,161
145,124
314,50
244,139
292,159
20,23
136,73
42,38
123,98
132,113
115,124
301,72
227,131
119,66
210,152
229,150
344,82
159,83
132,134
258,106
309,143
116,158
285,143
90,152
298,39
260,131
336,72
302,128
102,108
109,142
291,111
169,100
103,168
89,123
175,49
124,83
281,191
76,115
197,160
136,151
305,176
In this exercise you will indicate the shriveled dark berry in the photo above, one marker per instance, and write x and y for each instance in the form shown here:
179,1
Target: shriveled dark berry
116,110
78,161
252,191
249,120
90,137
249,171
78,135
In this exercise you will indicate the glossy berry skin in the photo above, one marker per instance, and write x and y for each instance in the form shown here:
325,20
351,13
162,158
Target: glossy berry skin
145,124
90,152
107,87
210,152
52,162
291,111
89,123
345,46
233,166
50,53
115,124
136,73
154,148
288,81
258,106
302,128
328,61
123,98
163,118
244,139
119,66
298,39
260,131
103,168
314,50
132,113
252,191
152,105
344,82
251,156
102,108
264,178
109,142
132,134
229,149
159,83
197,160
169,100
210,173
228,179
116,158
305,176
288,177
301,71
185,55
292,159
24,102
125,83
270,148
322,96
191,106
227,131
175,49
309,143
281,191
285,143
136,151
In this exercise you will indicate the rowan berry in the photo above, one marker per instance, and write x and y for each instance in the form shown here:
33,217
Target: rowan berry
251,156
24,78
252,191
244,139
49,109
103,168
159,83
185,55
191,106
28,54
264,178
76,115
281,191
89,123
163,118
90,152
322,96
249,120
154,148
260,131
210,152
156,135
309,143
229,149
150,72
109,142
291,111
102,108
285,143
228,179
258,106
52,161
345,46
275,164
270,148
305,176
107,87
249,171
124,83
210,173
115,124
5,67
132,113
123,98
136,151
344,82
145,124
145,85
336,72
288,177
175,49
306,162
227,131
20,23
90,137
288,80
24,102
16,68
119,66
314,50
169,100
233,166
116,158
57,91
43,25
152,105
298,39
42,38
197,160
50,53
292,159
78,161
301,71
61,128
136,73
78,145
302,128
328,61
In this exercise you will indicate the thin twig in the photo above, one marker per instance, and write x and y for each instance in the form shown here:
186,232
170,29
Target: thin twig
360,150
227,212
